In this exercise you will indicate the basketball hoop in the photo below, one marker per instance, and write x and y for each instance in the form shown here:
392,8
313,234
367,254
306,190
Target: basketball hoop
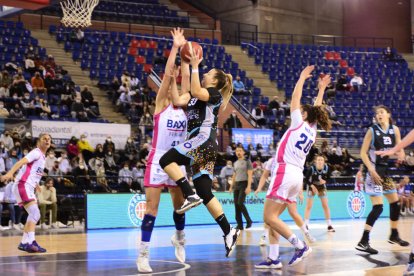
78,13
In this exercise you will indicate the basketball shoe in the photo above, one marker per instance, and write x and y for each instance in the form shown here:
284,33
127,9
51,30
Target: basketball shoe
300,254
34,247
269,263
179,247
143,260
230,240
395,239
410,266
22,246
190,202
365,247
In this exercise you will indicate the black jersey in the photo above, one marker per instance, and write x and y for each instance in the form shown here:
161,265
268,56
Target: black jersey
203,116
381,140
313,175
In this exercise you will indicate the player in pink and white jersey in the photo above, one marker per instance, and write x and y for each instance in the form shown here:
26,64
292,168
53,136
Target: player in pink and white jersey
287,170
170,129
26,182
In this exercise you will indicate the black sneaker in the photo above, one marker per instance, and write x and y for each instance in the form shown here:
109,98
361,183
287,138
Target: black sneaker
331,229
191,202
398,240
365,247
249,224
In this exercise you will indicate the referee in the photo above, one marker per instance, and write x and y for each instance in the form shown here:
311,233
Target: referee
241,185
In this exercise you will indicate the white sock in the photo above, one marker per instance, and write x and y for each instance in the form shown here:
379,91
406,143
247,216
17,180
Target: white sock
304,229
24,238
306,221
179,234
273,251
329,222
297,243
144,245
30,237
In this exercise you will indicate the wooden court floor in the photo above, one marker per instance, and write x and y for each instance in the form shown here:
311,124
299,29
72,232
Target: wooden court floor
113,252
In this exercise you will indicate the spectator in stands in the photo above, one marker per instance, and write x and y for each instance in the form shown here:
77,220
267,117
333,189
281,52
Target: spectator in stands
143,153
17,147
146,123
99,152
7,140
258,169
251,152
274,105
4,113
134,82
5,83
226,174
126,79
357,83
110,165
324,149
28,105
232,122
138,172
238,85
29,64
72,148
77,35
81,175
342,84
64,163
389,54
85,148
46,111
347,161
109,145
38,84
14,209
16,112
38,62
47,201
87,97
133,114
78,111
50,160
336,148
27,141
50,62
258,116
115,92
286,106
11,159
125,179
130,149
125,101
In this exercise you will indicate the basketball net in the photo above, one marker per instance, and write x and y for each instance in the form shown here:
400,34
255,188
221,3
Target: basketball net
78,13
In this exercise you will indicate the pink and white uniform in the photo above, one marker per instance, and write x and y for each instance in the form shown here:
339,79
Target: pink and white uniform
287,167
170,129
29,177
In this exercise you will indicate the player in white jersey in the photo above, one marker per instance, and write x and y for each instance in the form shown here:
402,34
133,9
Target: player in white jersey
273,260
26,182
170,129
409,139
287,170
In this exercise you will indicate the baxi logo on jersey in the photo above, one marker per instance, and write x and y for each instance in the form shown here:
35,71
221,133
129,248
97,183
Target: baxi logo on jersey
356,204
136,209
176,125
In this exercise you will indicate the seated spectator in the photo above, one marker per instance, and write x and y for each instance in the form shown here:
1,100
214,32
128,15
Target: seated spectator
5,83
16,112
336,148
50,160
110,165
109,145
130,150
4,113
85,148
389,54
7,140
138,172
357,83
125,179
72,148
231,152
99,152
274,105
88,99
124,102
29,65
126,80
342,84
251,152
134,82
28,105
286,106
38,84
232,122
48,201
143,153
146,123
64,163
81,176
50,62
226,174
133,114
77,35
46,111
238,85
15,210
258,116
78,111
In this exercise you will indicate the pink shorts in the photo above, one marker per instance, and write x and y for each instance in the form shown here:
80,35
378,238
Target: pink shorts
156,177
286,183
24,193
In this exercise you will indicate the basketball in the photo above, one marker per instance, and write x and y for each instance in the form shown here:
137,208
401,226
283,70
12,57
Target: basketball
186,50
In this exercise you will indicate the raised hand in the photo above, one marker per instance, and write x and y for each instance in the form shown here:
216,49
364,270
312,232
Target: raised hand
178,37
307,72
194,60
325,81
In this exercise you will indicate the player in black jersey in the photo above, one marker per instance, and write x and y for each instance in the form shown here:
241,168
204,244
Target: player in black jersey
200,149
381,136
315,180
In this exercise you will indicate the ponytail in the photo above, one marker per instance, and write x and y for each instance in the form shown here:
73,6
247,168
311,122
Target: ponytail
225,85
319,115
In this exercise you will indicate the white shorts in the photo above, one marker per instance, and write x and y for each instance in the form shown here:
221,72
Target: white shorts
24,193
285,184
156,177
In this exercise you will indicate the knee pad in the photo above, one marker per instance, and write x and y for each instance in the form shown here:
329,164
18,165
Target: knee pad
202,185
395,211
173,156
34,213
374,214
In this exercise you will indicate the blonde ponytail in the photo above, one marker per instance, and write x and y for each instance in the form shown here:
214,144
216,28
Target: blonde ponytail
227,90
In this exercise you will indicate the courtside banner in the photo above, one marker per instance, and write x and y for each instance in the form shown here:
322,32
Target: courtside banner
96,133
127,210
252,136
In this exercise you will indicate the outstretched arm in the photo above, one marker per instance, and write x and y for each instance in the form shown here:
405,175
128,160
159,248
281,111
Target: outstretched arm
177,99
297,93
408,140
18,165
196,90
185,77
323,83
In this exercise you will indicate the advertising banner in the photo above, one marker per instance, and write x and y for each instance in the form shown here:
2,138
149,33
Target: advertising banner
252,136
127,210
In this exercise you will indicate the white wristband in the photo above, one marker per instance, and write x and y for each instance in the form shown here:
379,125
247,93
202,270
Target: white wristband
194,70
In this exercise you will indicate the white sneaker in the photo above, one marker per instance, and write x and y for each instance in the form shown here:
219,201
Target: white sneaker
179,247
310,238
44,226
16,227
61,225
191,202
143,260
230,240
55,226
410,212
403,213
262,241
